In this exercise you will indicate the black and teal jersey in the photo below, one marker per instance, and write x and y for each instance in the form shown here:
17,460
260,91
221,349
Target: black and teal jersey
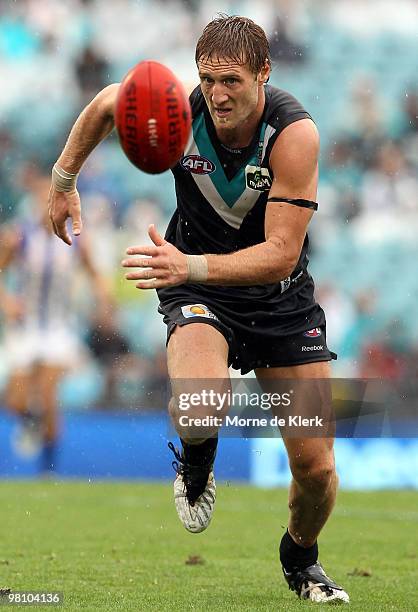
222,192
221,202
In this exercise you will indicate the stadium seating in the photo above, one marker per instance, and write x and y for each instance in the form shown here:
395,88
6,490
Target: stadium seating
362,255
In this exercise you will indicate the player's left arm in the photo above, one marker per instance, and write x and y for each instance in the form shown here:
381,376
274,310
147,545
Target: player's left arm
294,162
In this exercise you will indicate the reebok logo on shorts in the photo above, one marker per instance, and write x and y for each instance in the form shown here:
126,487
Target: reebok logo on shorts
316,347
197,310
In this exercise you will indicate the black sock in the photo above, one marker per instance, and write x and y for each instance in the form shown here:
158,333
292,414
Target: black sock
30,419
200,454
48,457
294,556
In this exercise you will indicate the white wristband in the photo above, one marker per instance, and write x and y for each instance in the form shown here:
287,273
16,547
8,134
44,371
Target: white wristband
63,180
197,266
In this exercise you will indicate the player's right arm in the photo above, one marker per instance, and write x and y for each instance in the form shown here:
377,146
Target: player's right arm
93,125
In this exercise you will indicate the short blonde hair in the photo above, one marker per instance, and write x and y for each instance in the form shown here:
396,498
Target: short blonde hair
236,38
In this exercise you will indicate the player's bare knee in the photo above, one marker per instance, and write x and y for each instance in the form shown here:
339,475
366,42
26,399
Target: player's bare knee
192,441
316,476
184,422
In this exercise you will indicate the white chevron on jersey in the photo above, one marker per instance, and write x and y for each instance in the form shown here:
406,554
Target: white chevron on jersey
233,216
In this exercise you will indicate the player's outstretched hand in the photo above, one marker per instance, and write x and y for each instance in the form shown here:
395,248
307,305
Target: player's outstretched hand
63,205
160,265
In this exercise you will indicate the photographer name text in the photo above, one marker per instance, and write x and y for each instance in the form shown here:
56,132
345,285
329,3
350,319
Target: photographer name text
237,421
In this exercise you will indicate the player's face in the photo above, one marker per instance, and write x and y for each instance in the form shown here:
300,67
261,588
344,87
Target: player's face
232,92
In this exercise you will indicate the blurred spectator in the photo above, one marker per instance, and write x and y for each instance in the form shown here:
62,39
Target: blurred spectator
99,218
283,48
385,356
158,383
408,131
340,313
92,72
364,124
363,325
411,112
8,161
380,360
287,29
390,185
120,366
138,218
366,113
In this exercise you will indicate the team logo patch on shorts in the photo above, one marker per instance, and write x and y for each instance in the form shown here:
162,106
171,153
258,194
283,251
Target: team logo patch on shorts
197,310
313,333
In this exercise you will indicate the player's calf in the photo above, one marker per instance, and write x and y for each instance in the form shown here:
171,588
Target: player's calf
312,496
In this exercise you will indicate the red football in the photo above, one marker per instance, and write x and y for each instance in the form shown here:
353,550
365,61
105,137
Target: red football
153,117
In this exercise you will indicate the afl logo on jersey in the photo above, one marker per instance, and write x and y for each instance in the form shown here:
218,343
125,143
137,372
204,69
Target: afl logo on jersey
313,333
198,164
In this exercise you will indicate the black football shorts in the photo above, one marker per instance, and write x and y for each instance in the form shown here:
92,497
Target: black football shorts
261,331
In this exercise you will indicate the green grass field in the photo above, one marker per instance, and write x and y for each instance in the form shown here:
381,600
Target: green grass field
120,546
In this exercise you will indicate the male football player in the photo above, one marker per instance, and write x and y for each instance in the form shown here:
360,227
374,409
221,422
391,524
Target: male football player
231,272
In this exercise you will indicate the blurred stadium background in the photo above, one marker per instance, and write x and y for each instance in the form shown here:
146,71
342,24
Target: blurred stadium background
354,66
